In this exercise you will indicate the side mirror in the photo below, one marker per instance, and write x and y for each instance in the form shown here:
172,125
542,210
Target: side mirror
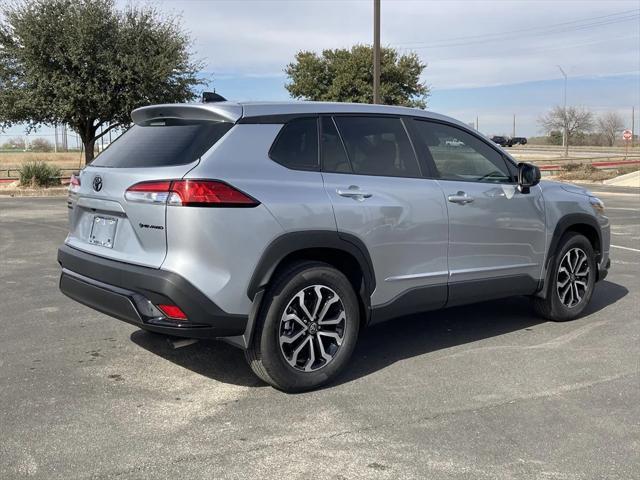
528,176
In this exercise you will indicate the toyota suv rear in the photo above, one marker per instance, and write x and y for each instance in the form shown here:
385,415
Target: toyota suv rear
286,228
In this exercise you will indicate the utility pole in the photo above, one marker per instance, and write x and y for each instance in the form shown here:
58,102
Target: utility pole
565,134
514,126
477,125
633,125
55,140
376,51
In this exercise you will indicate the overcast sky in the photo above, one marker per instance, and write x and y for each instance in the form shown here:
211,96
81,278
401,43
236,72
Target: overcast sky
489,59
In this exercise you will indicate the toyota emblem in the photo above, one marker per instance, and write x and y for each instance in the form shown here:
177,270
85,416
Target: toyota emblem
97,183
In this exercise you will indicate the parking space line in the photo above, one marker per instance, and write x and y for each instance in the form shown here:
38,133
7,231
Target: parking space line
626,248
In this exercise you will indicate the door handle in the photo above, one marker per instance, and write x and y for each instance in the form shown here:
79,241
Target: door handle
353,192
461,198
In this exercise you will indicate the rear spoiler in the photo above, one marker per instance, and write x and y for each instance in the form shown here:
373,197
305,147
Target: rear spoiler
217,112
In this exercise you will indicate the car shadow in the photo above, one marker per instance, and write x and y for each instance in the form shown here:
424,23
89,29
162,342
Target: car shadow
390,342
382,345
214,359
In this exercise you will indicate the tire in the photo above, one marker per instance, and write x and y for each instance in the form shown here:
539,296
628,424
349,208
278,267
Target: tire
284,328
568,301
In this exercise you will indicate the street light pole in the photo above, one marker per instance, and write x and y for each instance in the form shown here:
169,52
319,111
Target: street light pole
376,51
565,134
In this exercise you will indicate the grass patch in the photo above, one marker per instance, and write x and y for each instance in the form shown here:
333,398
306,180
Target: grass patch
576,171
39,174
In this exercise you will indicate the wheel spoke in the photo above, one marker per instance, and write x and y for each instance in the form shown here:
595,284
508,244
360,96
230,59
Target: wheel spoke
316,307
334,321
577,294
326,307
323,353
300,297
294,356
312,356
293,317
583,274
575,262
286,340
562,284
333,335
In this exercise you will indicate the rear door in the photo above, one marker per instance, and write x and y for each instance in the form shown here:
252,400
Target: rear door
496,233
375,184
103,221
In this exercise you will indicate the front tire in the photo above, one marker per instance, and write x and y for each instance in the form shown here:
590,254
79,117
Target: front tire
307,328
570,281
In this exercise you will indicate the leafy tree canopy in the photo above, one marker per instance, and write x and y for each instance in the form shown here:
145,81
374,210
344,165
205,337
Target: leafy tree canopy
346,75
86,64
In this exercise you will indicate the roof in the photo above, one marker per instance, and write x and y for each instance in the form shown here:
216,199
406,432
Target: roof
234,111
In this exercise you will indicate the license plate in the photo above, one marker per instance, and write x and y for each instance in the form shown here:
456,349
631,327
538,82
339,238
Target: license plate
103,231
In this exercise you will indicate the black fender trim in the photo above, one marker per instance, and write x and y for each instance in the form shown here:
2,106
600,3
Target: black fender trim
563,226
292,242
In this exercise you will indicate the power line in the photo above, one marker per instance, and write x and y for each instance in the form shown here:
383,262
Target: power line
533,31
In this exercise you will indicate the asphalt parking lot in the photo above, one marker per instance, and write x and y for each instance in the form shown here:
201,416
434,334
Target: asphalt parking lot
479,392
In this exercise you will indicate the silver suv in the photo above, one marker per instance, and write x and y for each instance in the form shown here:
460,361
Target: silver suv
286,228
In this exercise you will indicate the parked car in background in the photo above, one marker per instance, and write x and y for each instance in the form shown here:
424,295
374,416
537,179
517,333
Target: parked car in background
500,140
517,141
286,228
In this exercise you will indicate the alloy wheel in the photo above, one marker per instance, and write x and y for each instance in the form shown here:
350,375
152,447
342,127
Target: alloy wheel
573,277
312,328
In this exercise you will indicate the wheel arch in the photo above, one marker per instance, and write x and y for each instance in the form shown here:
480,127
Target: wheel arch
574,222
580,223
345,252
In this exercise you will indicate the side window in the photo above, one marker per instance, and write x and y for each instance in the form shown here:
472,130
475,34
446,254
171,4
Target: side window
297,145
458,155
378,146
334,158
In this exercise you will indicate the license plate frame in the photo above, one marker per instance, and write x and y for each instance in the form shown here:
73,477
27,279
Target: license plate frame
103,231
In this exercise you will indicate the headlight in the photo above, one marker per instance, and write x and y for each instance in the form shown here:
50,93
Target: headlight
597,205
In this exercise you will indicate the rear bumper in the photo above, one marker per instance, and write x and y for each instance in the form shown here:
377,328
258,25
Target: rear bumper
130,293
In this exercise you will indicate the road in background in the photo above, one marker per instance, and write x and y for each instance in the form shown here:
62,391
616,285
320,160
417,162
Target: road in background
484,392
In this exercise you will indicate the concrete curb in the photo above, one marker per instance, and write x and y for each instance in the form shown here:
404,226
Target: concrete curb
629,180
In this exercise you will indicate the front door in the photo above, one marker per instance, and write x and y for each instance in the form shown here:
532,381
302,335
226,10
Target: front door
496,233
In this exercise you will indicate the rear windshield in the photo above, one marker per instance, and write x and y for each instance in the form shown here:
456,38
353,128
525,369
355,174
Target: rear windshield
162,143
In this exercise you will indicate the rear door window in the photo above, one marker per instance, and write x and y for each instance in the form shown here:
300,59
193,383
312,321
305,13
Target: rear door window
296,146
378,146
162,143
334,157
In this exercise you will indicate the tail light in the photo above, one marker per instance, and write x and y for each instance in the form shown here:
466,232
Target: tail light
173,312
189,193
74,183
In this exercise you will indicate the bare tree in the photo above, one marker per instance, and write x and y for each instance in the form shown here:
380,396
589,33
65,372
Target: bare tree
609,126
572,120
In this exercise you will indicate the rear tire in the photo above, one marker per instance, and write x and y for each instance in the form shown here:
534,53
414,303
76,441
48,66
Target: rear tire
307,328
570,280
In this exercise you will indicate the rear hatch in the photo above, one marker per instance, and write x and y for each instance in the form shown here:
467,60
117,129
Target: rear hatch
165,143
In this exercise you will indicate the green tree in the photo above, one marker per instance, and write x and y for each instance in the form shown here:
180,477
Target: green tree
346,75
86,64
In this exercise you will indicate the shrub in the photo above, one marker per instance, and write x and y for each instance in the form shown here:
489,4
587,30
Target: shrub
39,174
41,145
